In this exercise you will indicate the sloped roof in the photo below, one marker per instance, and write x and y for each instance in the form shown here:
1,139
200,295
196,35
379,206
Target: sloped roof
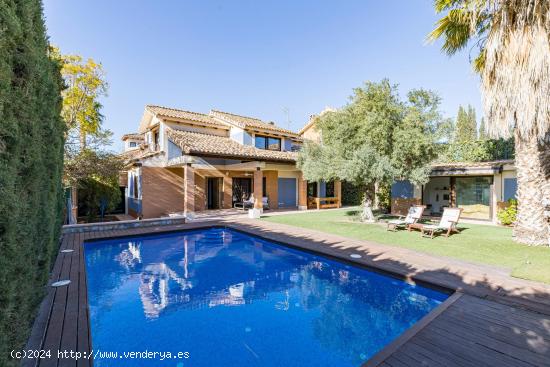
185,115
134,155
246,122
133,136
472,164
200,143
469,168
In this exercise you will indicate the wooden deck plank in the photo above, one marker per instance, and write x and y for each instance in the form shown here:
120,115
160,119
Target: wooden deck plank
516,354
83,332
447,338
40,327
404,360
426,357
54,333
442,356
510,334
70,323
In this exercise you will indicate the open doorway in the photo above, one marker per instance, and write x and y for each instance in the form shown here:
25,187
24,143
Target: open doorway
214,187
242,188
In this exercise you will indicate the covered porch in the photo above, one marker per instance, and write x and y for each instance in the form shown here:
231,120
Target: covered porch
216,183
478,188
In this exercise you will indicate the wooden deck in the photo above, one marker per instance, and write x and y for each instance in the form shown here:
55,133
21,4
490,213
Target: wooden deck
498,321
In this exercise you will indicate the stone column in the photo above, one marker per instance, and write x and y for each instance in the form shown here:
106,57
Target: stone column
258,189
189,183
338,192
302,193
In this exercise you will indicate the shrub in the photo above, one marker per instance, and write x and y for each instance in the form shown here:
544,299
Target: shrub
31,162
508,215
98,198
352,194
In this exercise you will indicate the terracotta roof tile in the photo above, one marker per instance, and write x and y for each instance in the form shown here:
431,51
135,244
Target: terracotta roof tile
250,122
186,115
134,136
134,155
472,164
199,143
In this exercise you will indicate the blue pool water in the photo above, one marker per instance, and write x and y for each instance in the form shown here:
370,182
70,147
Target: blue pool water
231,299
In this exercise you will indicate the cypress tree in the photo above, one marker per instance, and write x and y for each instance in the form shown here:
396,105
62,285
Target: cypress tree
482,133
466,125
31,162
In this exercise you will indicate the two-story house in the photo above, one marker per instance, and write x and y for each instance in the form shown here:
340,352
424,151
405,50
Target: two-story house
181,162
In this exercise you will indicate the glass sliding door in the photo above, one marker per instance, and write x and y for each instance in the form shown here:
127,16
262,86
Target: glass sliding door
473,195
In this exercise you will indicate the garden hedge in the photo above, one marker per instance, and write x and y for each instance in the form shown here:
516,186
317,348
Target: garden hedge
31,163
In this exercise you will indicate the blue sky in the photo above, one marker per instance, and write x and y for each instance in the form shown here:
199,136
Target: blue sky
256,58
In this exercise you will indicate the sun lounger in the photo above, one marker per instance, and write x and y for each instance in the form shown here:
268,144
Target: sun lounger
447,224
413,216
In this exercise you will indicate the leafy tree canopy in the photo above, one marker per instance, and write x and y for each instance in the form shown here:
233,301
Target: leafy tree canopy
85,84
376,138
466,146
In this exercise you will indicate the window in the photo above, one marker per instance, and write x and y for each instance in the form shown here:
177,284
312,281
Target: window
133,144
264,186
312,189
156,139
266,142
473,195
273,144
135,186
510,188
329,189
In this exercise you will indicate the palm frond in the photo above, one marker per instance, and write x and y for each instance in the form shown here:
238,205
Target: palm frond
455,30
516,71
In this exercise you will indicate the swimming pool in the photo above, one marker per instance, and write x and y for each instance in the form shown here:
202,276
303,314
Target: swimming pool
231,299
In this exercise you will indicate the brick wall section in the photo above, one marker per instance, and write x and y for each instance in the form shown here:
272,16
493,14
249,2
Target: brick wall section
338,192
272,188
227,192
123,178
200,192
162,191
400,206
302,193
258,186
189,188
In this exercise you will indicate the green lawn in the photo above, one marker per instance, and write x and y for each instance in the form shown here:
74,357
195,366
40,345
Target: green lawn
476,243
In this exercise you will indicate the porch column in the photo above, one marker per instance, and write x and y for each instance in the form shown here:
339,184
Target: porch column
258,189
227,192
189,189
338,192
302,193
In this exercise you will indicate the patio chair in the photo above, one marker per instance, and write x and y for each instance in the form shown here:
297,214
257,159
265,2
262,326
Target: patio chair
265,202
413,216
246,204
447,224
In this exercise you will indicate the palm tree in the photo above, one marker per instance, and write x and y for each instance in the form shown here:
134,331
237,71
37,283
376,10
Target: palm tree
511,39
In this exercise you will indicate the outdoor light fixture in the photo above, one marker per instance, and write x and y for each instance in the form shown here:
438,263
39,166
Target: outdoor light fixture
355,256
61,283
67,250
